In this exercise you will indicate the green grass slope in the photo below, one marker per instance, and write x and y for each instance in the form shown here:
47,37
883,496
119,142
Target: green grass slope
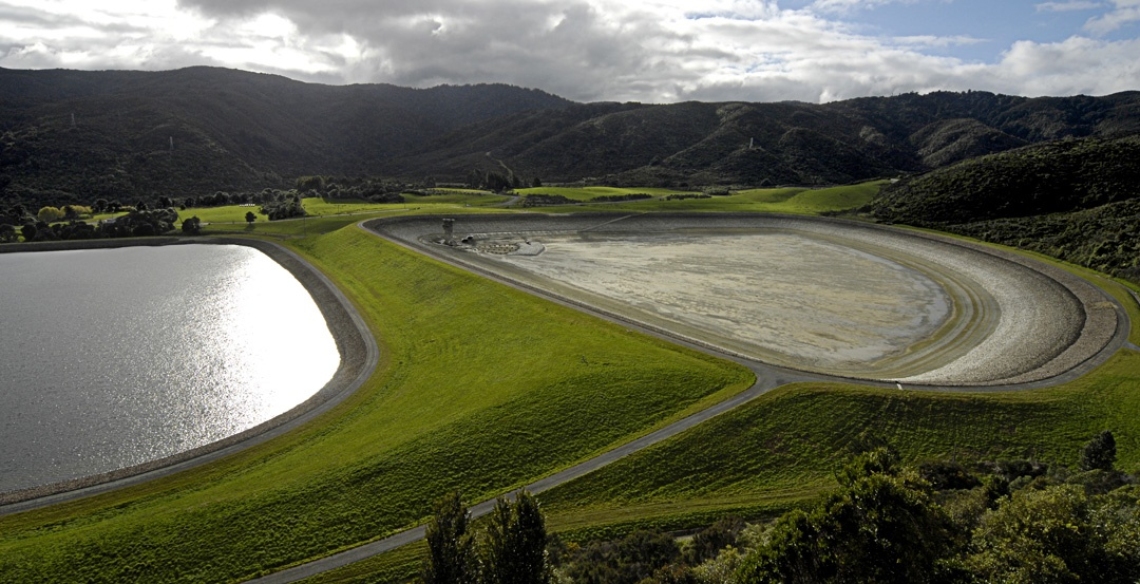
788,443
797,201
482,388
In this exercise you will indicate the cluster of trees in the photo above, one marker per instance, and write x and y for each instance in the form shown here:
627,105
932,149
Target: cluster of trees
621,198
222,198
66,213
510,550
15,214
136,223
497,181
290,207
941,522
547,200
376,190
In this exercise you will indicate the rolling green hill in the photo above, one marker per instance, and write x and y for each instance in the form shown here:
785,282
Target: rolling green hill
75,136
1077,200
774,143
71,136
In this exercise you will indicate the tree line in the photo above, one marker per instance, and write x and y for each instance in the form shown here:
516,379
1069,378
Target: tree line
136,223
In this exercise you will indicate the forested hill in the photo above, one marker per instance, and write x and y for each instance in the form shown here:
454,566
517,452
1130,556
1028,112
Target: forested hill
776,143
1076,199
74,136
119,134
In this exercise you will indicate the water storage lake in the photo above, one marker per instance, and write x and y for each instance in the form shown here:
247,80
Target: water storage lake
116,357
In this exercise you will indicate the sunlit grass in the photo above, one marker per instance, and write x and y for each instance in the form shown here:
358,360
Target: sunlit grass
587,193
792,200
791,441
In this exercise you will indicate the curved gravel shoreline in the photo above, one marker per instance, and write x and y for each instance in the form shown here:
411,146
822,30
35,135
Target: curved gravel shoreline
359,356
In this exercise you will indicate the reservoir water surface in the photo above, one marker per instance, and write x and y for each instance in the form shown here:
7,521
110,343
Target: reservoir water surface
114,357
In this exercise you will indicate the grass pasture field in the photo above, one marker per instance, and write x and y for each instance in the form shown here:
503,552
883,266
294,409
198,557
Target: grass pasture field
795,200
467,399
585,194
317,207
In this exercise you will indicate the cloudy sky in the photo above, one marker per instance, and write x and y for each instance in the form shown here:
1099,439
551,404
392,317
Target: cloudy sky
616,50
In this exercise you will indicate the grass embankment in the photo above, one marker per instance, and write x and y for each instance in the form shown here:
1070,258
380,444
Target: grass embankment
798,201
482,388
788,443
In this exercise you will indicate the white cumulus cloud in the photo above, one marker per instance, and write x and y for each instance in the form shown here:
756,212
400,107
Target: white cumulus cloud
1124,12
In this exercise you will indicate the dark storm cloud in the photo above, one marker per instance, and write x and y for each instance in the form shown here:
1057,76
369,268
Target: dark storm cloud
567,47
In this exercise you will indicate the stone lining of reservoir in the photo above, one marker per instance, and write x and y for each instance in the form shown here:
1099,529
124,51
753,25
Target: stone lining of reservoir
358,358
840,298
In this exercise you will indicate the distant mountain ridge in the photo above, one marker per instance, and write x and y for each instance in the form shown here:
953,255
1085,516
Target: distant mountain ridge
782,143
130,134
73,136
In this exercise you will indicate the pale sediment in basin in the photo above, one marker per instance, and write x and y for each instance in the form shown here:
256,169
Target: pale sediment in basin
781,295
826,296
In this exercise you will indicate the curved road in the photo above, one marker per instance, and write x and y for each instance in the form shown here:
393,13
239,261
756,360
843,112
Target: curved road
768,378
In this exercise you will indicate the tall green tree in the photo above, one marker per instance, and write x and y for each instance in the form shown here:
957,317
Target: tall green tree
1099,453
516,543
451,549
192,226
1036,536
881,527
